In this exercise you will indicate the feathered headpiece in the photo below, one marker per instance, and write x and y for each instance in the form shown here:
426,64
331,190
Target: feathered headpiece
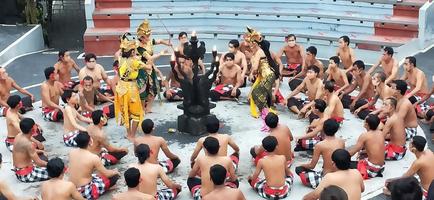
126,43
144,29
252,35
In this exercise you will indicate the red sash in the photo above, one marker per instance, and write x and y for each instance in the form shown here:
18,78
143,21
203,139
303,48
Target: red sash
338,119
393,148
292,66
276,191
24,171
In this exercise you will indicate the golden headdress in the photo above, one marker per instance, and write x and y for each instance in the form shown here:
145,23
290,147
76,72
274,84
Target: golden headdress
144,29
126,43
252,35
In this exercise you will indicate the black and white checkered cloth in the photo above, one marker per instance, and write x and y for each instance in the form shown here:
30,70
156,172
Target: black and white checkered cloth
166,194
37,174
94,189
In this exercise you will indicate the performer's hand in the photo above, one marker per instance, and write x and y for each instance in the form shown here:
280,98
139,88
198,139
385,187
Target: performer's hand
168,94
234,92
357,111
352,105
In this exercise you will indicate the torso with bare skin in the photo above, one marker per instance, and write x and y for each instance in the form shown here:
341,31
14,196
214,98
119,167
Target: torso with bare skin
374,146
230,75
149,172
326,149
426,171
387,66
97,136
396,131
133,195
313,88
345,56
5,88
81,166
349,180
317,63
415,76
384,92
21,151
406,111
13,123
223,142
334,101
337,75
274,170
370,90
67,124
63,189
154,144
205,163
97,74
284,137
54,90
224,193
293,54
64,70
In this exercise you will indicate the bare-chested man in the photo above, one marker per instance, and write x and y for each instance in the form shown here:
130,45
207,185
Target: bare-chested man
109,153
156,143
334,109
345,53
337,75
64,66
370,147
294,56
13,119
342,176
6,85
83,163
389,64
313,86
150,172
182,38
363,81
284,137
200,187
239,59
71,125
56,188
310,59
28,165
221,191
393,130
97,72
405,108
51,89
88,97
5,191
278,177
228,81
416,79
173,87
212,127
133,179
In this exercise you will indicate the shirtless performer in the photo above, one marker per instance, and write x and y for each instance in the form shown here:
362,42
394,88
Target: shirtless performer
13,119
342,176
278,177
150,172
394,130
182,38
156,143
212,127
239,59
345,53
422,166
388,63
370,147
28,166
71,126
309,60
200,187
82,164
6,85
63,67
56,188
294,56
284,137
416,79
337,75
51,89
313,86
228,81
88,97
173,87
97,72
311,178
221,191
132,179
100,145
334,109
405,108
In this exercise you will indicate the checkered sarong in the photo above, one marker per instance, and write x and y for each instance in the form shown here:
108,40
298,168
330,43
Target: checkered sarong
410,132
95,188
69,138
195,192
9,141
104,88
369,170
166,194
310,178
261,187
31,174
394,152
3,111
167,165
309,144
422,108
111,158
235,161
50,114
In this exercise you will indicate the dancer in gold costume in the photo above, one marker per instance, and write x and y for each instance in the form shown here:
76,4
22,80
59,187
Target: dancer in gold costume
127,99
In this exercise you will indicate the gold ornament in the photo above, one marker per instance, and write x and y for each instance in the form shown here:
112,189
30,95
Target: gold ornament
126,43
252,35
144,29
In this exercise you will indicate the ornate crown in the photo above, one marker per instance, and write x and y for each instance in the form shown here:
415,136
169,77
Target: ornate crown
144,28
252,35
127,43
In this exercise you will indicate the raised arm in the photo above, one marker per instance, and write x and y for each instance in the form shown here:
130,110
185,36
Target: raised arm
372,69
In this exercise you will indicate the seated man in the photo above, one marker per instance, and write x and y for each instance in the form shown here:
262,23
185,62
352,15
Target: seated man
239,59
200,187
82,164
109,153
345,52
228,81
212,126
221,191
150,172
156,143
309,60
342,176
405,109
334,109
88,98
325,148
337,75
416,79
64,66
370,146
294,56
173,87
51,89
423,109
278,177
97,73
56,188
6,85
132,179
13,119
284,137
28,166
393,130
71,127
389,64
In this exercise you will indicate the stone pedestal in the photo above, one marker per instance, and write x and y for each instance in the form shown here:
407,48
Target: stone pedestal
193,120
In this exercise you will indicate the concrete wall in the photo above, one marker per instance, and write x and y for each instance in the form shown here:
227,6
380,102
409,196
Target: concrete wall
426,25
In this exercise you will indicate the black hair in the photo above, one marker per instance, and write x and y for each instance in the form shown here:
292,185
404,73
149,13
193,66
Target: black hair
342,159
82,139
55,167
411,60
212,124
235,43
61,53
182,34
406,189
335,59
269,143
419,142
127,54
147,126
265,46
142,152
359,64
26,125
389,50
218,174
211,145
382,76
89,56
320,105
312,50
330,127
96,116
48,71
346,39
329,86
67,94
313,68
13,101
88,78
132,177
333,192
290,35
393,102
272,120
401,85
229,55
373,121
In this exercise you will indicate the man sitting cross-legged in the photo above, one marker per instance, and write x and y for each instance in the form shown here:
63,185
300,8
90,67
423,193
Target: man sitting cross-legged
133,179
370,146
221,191
334,109
156,143
393,130
337,75
51,89
278,178
228,81
83,163
6,86
405,109
325,148
100,145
